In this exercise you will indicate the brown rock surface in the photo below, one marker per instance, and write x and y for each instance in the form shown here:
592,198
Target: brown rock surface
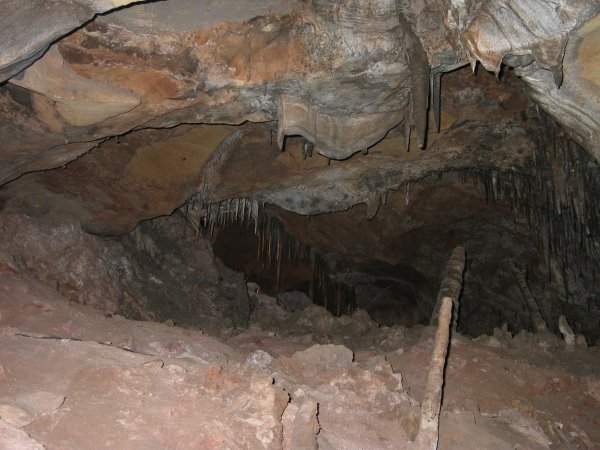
128,396
124,181
199,139
156,65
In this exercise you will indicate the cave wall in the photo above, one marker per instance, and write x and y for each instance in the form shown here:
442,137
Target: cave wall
541,217
77,73
120,100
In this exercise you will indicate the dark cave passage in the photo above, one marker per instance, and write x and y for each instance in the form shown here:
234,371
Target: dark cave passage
392,219
390,294
372,232
391,265
237,246
540,218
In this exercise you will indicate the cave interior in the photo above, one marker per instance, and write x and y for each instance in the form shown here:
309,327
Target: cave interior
229,224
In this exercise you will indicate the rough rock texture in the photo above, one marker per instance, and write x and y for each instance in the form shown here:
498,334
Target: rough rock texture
476,133
233,119
509,192
148,274
150,172
177,74
13,437
575,104
349,73
46,22
139,176
551,36
285,135
293,377
58,252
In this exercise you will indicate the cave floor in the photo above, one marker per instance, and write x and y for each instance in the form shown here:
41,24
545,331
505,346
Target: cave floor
72,378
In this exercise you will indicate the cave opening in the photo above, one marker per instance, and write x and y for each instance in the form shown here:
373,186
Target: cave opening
372,231
392,263
391,219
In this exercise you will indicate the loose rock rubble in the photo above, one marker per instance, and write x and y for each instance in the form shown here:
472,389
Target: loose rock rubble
306,382
284,374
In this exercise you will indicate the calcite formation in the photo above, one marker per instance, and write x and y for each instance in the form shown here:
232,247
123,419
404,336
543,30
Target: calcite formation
149,106
156,156
340,74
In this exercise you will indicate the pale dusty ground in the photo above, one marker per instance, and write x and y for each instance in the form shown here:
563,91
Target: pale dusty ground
72,378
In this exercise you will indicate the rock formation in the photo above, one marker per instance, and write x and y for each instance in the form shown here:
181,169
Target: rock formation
157,155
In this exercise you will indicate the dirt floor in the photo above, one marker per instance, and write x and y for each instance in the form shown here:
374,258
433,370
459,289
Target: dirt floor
72,377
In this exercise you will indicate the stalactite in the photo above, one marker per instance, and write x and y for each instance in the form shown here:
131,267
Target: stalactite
311,288
279,258
276,247
554,199
436,88
451,284
494,183
331,290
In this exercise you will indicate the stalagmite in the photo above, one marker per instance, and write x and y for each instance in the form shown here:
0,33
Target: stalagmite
427,437
451,285
539,324
567,333
581,341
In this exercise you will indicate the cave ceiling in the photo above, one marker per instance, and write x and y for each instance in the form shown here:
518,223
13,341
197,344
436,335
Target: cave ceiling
379,91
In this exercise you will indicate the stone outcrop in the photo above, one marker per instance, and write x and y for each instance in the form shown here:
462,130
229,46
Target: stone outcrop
29,29
341,75
148,106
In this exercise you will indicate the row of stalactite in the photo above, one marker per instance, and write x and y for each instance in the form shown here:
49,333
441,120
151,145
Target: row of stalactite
227,212
556,199
559,204
328,290
276,246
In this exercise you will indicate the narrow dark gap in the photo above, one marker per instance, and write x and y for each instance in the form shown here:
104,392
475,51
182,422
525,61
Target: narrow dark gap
237,246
